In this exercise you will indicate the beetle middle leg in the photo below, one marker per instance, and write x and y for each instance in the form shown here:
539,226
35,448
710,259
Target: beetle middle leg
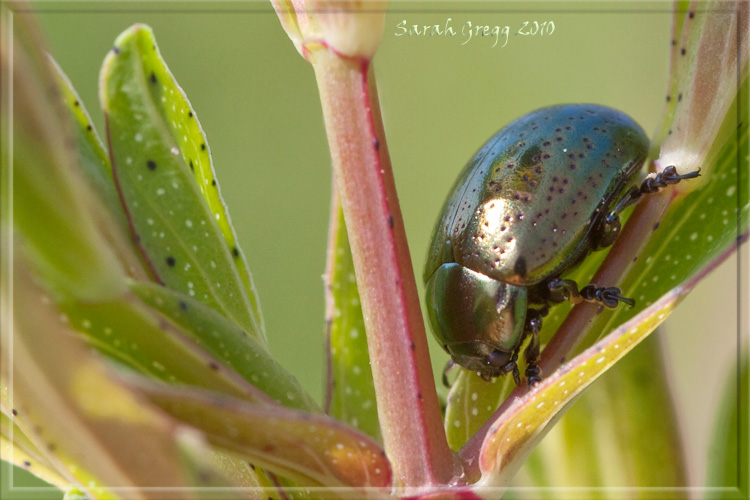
561,290
609,228
533,326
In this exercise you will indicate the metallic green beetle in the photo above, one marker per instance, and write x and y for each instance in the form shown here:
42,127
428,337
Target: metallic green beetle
535,200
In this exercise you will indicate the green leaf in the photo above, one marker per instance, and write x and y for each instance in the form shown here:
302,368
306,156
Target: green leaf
622,432
93,159
52,207
350,388
471,402
142,339
212,473
93,162
308,448
228,343
676,69
728,450
18,449
709,64
151,154
695,229
526,421
100,432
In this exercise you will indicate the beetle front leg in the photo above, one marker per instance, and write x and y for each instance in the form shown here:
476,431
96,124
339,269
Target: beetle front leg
609,228
609,297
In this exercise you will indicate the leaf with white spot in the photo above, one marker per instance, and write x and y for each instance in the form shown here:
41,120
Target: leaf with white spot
228,343
314,450
96,431
131,333
622,431
471,402
350,393
75,493
510,439
182,121
170,219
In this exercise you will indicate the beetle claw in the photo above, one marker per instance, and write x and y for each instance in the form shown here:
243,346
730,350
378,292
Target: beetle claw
533,374
516,375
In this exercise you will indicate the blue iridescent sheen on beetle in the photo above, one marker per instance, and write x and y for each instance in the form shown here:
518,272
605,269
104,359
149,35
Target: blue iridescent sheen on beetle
532,203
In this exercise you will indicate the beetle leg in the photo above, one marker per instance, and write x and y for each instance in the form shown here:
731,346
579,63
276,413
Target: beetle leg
568,290
561,290
650,185
516,373
610,225
512,366
609,297
450,364
533,326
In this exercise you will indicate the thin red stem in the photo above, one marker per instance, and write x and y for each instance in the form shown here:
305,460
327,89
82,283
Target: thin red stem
407,400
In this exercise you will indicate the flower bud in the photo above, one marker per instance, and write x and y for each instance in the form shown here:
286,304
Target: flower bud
351,28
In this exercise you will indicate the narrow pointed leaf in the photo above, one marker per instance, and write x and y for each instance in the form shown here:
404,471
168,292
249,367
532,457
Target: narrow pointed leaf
622,432
95,429
182,121
171,221
677,68
16,448
512,436
51,205
351,393
228,343
93,163
94,160
710,62
138,337
312,449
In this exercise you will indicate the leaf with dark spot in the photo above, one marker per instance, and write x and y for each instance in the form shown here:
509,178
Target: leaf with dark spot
165,204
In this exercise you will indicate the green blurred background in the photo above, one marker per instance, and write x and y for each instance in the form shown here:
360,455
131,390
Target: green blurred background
257,101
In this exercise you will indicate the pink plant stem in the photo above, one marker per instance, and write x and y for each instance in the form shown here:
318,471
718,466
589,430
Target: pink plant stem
407,401
582,317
